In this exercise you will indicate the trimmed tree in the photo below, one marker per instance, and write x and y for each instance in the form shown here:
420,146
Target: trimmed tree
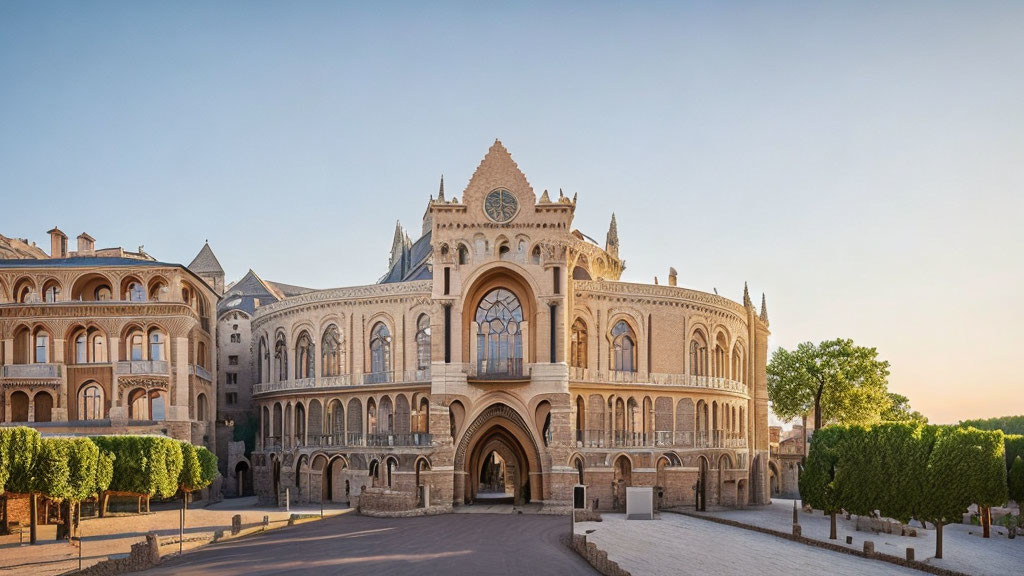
818,486
22,448
1015,482
143,466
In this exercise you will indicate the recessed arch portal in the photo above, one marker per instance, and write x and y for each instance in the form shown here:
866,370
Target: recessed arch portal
499,430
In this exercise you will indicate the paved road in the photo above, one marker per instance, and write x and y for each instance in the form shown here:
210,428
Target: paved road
449,544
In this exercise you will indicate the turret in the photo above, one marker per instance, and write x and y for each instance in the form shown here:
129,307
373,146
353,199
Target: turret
58,243
611,245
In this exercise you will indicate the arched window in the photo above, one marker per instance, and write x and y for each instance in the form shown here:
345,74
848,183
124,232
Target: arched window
90,402
699,355
138,405
102,293
380,353
135,349
281,358
423,343
201,357
499,317
623,347
156,345
262,361
463,254
51,291
330,353
304,356
578,344
98,345
81,348
42,342
535,255
135,292
157,400
201,408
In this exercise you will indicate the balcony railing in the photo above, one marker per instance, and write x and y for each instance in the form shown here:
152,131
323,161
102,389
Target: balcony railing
395,376
142,367
720,439
660,379
197,370
34,371
507,369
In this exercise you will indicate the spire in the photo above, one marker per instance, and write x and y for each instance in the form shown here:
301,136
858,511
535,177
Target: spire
544,199
746,296
764,310
440,191
612,242
397,244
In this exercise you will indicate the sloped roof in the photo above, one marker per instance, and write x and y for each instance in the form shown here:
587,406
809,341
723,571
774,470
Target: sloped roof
288,289
206,261
246,293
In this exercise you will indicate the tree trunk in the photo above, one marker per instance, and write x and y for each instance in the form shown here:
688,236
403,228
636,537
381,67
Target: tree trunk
817,408
103,504
5,528
938,541
33,508
832,526
986,521
138,505
806,449
64,527
147,504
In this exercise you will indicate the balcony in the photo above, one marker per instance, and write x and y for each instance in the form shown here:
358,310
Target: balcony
396,376
197,370
656,379
345,380
148,367
33,371
415,439
720,439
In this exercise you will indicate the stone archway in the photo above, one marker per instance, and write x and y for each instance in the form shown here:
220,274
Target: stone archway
499,430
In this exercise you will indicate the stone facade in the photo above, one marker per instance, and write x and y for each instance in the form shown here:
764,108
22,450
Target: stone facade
502,358
106,341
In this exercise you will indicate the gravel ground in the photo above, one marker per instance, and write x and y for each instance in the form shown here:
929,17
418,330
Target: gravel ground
115,535
963,548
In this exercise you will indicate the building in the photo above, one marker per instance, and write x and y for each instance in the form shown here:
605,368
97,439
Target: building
234,344
99,341
501,357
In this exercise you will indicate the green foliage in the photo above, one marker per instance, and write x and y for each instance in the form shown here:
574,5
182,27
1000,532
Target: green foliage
965,467
1008,424
817,482
190,477
899,410
148,465
83,462
51,475
19,458
208,463
5,455
1015,480
1014,445
849,382
104,470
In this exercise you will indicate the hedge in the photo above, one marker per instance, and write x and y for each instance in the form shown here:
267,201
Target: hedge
144,465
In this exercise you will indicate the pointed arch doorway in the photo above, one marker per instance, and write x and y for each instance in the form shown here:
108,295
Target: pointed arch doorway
498,459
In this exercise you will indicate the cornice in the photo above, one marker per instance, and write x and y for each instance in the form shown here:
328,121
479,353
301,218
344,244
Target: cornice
649,292
421,288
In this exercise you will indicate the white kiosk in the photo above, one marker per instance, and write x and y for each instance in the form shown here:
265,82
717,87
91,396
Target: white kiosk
639,503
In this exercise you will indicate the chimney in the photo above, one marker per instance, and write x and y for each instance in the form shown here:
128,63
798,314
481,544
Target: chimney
672,275
58,243
86,243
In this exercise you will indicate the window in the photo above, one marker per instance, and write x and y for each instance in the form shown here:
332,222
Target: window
90,403
699,355
136,293
304,356
231,398
156,346
499,317
423,343
51,293
232,360
42,347
262,361
102,293
331,354
143,405
236,338
81,349
232,378
135,345
623,347
463,254
380,352
578,345
281,358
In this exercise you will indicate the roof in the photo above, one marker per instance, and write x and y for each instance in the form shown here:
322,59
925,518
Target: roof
248,294
289,289
413,264
206,261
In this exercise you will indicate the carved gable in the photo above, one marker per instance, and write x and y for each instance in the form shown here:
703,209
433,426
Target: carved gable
498,170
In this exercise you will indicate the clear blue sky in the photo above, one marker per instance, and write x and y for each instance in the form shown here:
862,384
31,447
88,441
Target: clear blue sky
860,162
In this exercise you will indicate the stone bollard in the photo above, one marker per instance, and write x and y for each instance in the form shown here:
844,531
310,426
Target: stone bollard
869,547
291,520
849,539
154,549
910,554
795,519
797,530
266,522
236,524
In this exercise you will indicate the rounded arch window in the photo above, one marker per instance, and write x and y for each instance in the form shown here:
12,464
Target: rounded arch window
623,347
463,254
499,318
90,402
304,356
331,353
578,344
135,292
281,358
156,345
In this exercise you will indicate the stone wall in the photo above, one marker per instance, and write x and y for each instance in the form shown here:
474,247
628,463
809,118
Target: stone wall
143,556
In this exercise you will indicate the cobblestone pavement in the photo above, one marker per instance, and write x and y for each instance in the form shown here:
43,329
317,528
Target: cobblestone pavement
116,534
963,548
449,544
679,545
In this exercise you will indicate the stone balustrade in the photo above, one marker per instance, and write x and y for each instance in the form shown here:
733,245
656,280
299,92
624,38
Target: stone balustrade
345,380
657,379
33,371
160,367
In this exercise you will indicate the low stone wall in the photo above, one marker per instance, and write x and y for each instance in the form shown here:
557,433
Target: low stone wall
596,557
143,556
431,511
381,500
884,526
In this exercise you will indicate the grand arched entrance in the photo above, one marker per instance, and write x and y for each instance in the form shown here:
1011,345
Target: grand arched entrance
497,460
